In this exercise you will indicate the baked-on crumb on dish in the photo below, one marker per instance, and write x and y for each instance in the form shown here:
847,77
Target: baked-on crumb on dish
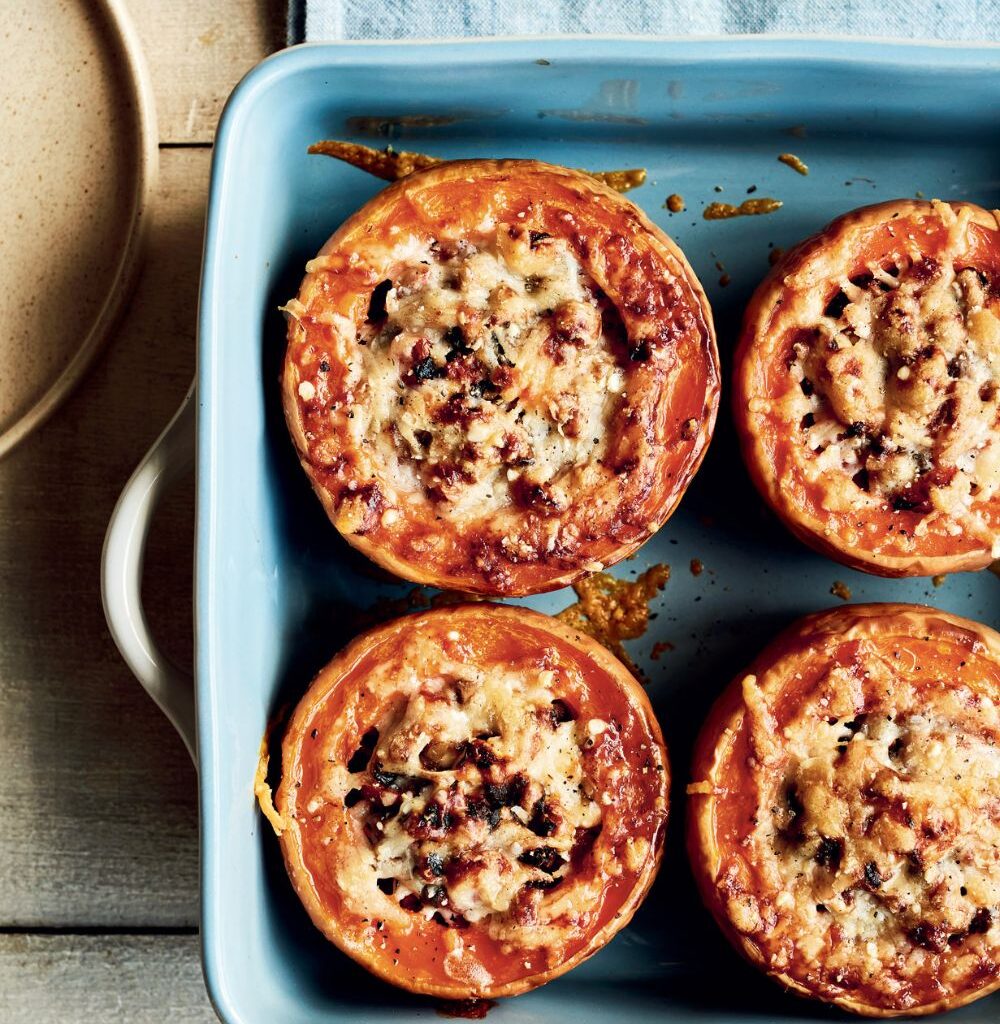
392,164
844,819
500,376
867,388
472,800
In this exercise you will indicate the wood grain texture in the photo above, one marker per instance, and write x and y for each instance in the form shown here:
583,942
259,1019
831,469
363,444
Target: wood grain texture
197,52
99,814
83,979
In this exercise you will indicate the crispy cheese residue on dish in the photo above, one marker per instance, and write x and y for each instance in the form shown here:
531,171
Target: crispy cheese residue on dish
748,208
613,610
388,164
660,648
262,790
791,160
465,1009
392,164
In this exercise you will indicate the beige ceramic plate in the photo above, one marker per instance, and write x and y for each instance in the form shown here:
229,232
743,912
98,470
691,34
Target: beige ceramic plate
77,163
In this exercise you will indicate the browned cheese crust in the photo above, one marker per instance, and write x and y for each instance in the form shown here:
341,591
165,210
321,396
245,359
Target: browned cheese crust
500,376
844,819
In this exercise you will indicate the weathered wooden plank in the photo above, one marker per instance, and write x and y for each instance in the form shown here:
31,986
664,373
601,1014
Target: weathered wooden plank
98,819
197,52
81,979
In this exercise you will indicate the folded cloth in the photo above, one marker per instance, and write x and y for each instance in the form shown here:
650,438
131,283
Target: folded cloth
327,20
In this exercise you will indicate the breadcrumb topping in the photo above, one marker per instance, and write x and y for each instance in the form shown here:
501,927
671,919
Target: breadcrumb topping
897,388
489,374
475,797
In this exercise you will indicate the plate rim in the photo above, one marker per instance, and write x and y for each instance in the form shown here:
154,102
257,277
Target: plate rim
126,40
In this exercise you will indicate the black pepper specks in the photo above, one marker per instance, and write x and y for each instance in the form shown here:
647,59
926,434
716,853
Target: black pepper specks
427,369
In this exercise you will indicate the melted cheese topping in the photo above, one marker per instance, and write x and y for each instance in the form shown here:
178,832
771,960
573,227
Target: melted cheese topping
489,373
878,832
895,390
476,803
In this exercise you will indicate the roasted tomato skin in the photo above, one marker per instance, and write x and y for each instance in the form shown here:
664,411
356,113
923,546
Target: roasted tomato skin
860,515
372,765
860,673
495,438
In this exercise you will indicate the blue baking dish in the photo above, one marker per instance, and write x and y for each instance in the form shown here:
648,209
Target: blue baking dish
275,586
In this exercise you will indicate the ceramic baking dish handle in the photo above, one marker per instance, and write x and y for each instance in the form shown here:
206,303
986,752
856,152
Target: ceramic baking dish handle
121,572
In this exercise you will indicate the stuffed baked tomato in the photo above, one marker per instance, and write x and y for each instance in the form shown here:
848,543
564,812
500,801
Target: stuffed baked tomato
867,388
473,799
499,376
844,822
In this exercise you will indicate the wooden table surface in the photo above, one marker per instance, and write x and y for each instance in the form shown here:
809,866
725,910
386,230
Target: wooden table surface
98,818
